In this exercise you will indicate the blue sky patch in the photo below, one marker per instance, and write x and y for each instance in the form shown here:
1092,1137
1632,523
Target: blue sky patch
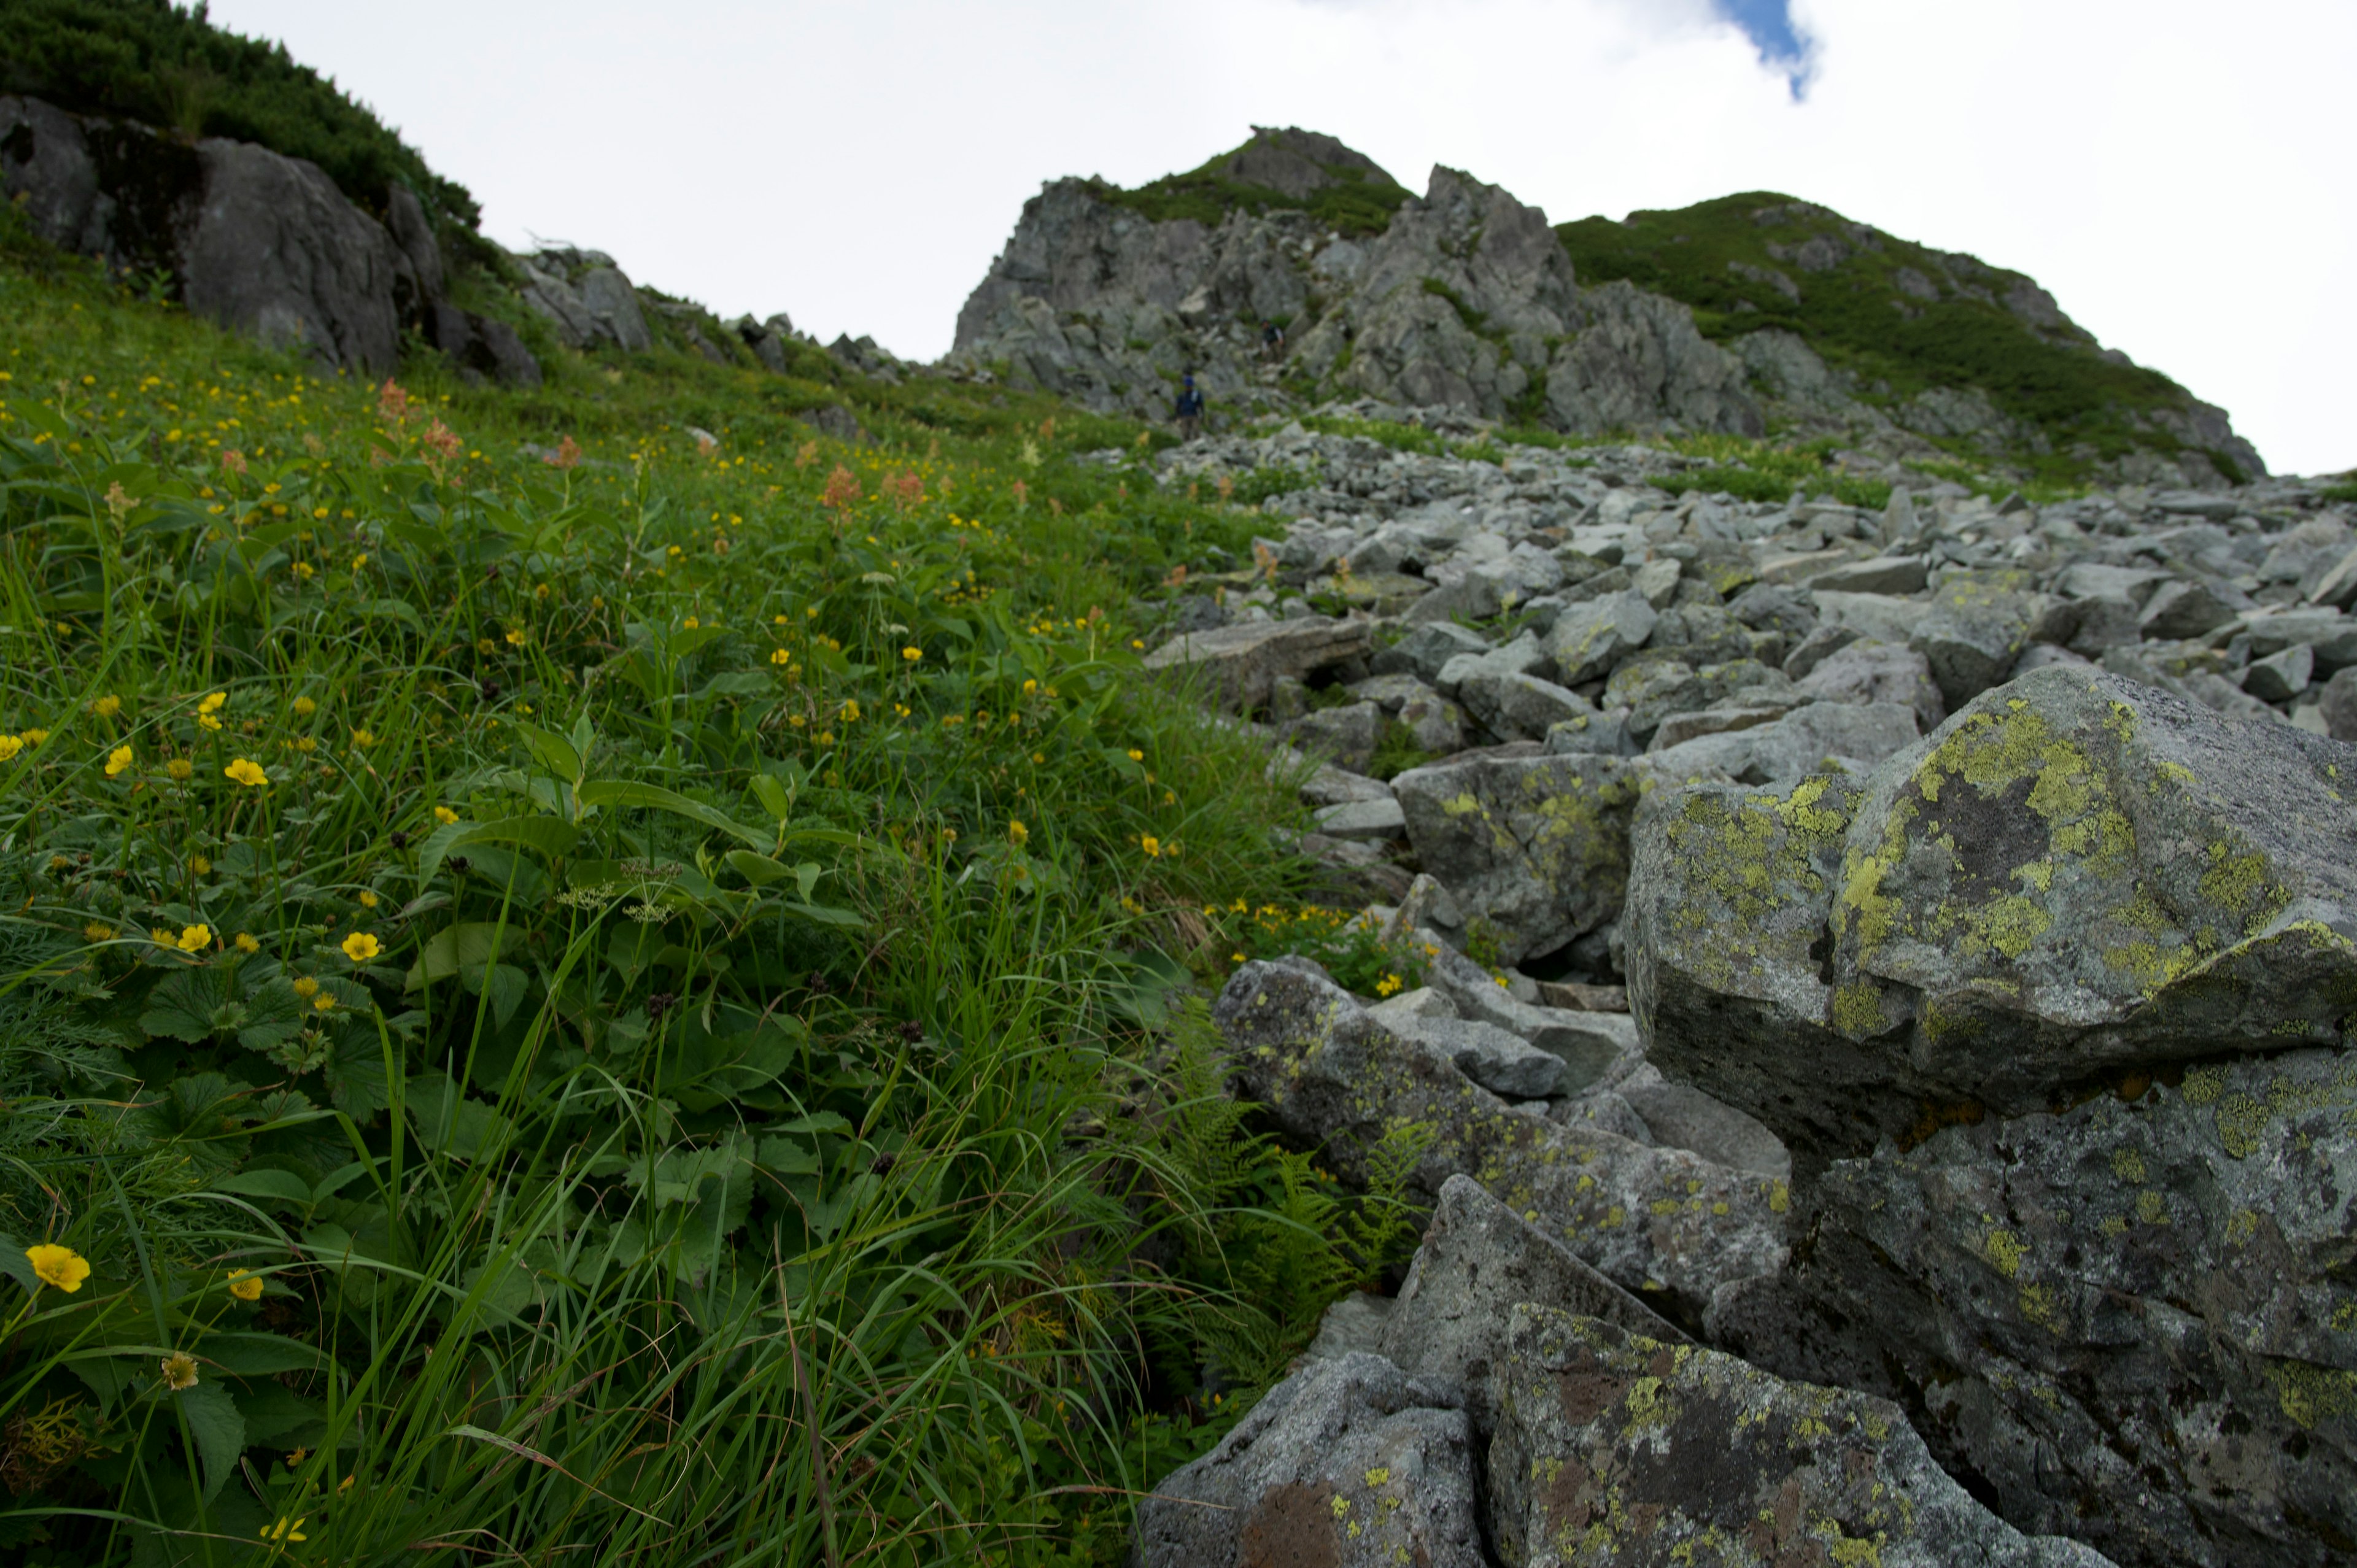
1768,25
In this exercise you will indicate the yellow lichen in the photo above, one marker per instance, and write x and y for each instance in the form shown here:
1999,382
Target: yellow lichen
2005,1253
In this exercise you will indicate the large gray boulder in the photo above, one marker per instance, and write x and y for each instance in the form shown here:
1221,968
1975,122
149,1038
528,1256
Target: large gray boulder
1816,738
1974,630
1237,666
1591,637
2130,1321
1615,1449
1346,1464
2075,876
1867,671
1537,846
1659,1222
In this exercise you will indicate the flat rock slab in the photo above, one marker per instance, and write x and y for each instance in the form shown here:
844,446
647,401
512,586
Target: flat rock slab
1883,574
1363,820
1346,1463
1239,664
1614,1449
1503,1063
1661,1223
2077,876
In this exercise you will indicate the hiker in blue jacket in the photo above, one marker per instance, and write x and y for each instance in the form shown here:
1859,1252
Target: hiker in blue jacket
1189,410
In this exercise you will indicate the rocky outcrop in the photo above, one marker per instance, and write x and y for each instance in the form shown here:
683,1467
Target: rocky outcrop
1464,301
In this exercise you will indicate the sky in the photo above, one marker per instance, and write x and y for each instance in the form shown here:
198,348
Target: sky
2181,186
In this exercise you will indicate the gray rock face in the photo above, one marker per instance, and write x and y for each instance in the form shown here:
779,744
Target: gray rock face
1680,1116
1344,734
1347,1463
1520,706
1804,741
1883,574
1659,1222
2074,876
1425,651
1503,1063
1477,1260
1869,671
1536,846
1975,628
2339,705
1588,639
1614,1448
1239,664
2129,1320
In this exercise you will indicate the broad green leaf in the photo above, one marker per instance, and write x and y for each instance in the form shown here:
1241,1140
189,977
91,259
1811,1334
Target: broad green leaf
550,835
190,1004
258,1354
774,797
758,869
552,751
215,1428
17,1265
450,949
281,1187
656,797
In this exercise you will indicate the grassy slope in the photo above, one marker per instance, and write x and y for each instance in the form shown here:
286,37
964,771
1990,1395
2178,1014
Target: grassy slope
741,1093
1857,316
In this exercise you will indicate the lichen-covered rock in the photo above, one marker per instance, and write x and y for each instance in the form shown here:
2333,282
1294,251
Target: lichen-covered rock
1615,1449
1974,629
1538,846
1869,671
1500,1061
1815,738
1346,1464
1659,1222
2134,1321
1345,735
1478,1259
2075,876
1589,638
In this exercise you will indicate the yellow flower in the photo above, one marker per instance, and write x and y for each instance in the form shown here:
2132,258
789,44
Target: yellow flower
1388,984
162,937
515,638
1018,832
1151,845
850,710
1029,687
244,1286
285,1531
60,1266
306,986
9,746
360,947
200,865
1135,755
323,1003
213,703
912,654
181,768
179,1371
690,622
444,815
368,899
117,760
246,943
107,707
34,736
780,656
363,737
98,931
194,938
305,707
248,773
306,746
208,721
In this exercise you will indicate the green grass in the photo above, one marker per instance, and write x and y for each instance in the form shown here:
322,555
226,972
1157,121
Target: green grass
665,970
1856,316
155,62
1765,471
1356,204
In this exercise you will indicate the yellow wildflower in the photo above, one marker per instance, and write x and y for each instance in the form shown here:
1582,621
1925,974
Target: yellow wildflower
246,943
912,654
323,1003
1135,755
306,986
107,707
179,1371
194,938
117,760
248,773
162,937
360,947
283,1530
444,815
212,703
1017,831
1151,845
98,931
181,769
780,656
10,746
368,899
1388,985
305,707
244,1286
200,865
60,1267
363,738
515,638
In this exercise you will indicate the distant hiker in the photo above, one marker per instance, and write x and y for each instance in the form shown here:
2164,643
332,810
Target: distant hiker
1272,340
1189,410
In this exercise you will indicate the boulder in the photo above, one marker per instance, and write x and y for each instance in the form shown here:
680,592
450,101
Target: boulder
2182,609
1536,846
1599,734
483,344
1237,665
2280,677
1501,1062
2129,1320
1520,706
2074,876
1590,638
1348,1464
1379,820
1883,574
1659,1222
1614,1448
1806,740
2339,705
1423,651
1867,671
1478,1259
1974,629
1345,736
1680,1116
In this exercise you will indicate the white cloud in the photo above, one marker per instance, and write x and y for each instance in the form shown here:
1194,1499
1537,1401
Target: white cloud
2168,170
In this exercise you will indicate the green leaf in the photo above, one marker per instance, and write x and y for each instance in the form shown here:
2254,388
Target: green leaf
550,835
552,751
656,797
258,1354
188,1005
215,1428
758,869
771,791
355,1073
17,1265
280,1186
450,949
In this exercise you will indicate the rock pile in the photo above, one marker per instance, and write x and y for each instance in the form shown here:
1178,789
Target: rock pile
1975,1175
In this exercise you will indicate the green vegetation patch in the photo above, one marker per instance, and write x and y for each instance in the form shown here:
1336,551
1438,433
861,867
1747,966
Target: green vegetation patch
154,63
1762,471
1356,203
1905,318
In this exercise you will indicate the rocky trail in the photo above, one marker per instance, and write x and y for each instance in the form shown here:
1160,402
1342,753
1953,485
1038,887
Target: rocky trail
1911,1117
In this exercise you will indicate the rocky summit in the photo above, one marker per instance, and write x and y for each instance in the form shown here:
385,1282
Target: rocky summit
1936,912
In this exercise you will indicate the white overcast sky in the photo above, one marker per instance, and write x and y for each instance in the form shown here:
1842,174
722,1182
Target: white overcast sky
2178,173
